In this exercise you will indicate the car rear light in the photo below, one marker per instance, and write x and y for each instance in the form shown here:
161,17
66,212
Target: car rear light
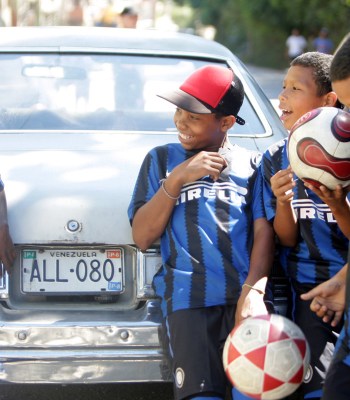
148,264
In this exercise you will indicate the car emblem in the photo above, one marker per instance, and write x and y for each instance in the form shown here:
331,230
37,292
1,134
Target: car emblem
73,226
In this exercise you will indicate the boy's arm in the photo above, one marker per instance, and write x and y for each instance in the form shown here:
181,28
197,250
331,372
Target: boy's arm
151,219
285,221
338,204
7,250
251,300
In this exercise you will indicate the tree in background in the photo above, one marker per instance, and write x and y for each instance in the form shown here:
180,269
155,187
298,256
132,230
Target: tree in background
256,30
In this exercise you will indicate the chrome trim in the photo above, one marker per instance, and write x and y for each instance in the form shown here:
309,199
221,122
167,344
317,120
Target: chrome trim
4,283
148,263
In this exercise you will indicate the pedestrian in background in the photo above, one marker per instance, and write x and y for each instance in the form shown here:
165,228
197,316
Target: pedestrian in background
296,44
76,14
323,43
128,18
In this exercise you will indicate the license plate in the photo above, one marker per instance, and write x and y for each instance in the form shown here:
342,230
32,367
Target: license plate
68,271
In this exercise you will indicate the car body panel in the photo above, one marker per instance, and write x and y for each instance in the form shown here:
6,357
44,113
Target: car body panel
68,187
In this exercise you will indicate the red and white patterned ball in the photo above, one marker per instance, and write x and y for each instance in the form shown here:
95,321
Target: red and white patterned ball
266,357
319,147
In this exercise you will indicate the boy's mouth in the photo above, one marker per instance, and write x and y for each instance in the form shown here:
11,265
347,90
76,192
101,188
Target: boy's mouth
286,112
185,137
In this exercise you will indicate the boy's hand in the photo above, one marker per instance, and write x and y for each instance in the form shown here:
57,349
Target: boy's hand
282,185
328,300
201,164
338,204
333,198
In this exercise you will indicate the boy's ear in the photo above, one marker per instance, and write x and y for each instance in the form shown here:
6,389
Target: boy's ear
227,122
331,99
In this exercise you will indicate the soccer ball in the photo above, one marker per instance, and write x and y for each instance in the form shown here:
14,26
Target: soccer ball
266,357
319,147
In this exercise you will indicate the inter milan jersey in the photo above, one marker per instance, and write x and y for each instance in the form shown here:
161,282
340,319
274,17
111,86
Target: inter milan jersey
207,243
322,247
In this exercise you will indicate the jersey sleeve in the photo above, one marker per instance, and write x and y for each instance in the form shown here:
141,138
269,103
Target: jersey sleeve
258,204
273,160
147,183
269,199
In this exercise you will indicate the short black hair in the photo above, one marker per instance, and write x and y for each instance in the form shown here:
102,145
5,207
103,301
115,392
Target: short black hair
321,65
340,67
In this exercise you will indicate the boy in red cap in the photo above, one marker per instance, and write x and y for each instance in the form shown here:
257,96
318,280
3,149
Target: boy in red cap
202,198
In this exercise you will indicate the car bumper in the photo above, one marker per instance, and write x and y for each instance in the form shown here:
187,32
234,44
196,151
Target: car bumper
80,348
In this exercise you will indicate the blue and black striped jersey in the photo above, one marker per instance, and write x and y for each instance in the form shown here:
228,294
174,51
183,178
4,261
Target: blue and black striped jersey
322,247
207,243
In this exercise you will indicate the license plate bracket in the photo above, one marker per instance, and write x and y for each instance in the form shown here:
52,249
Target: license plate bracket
78,271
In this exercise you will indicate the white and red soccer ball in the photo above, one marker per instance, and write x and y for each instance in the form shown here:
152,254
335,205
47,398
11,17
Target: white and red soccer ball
319,147
266,357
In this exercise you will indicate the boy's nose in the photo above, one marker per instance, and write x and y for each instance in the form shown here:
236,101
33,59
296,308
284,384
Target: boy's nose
282,95
180,121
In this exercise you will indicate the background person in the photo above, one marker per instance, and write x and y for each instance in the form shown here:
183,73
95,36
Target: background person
202,197
75,15
323,43
296,44
128,18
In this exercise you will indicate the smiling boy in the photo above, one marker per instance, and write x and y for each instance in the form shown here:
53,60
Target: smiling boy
216,249
312,249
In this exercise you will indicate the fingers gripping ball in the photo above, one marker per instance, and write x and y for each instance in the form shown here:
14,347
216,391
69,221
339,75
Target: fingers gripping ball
266,357
319,147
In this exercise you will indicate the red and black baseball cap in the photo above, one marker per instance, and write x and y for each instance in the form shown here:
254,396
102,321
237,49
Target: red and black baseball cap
209,90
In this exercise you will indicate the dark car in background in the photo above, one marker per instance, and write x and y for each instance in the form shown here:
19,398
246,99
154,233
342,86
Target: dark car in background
78,113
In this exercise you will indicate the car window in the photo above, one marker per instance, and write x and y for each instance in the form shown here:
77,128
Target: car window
96,92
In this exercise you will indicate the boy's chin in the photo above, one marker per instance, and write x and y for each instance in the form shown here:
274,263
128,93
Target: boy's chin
288,125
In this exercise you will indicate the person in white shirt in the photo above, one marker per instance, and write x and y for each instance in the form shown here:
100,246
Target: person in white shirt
296,44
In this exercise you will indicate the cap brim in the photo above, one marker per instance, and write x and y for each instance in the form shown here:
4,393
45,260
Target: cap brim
189,103
185,101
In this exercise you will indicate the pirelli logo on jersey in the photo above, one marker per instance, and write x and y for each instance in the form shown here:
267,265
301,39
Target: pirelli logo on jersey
307,209
225,191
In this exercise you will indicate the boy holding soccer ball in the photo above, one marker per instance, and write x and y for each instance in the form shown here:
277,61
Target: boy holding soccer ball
312,225
331,298
202,198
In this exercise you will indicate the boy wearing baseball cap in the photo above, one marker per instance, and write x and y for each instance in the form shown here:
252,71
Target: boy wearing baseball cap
202,198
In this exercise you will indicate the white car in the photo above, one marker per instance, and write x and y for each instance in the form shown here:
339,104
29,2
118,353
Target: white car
78,112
